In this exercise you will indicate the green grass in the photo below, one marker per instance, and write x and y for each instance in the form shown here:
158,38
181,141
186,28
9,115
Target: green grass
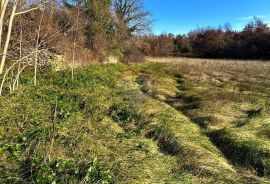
143,123
194,152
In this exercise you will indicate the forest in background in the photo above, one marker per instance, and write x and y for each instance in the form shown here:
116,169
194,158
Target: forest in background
83,30
253,42
87,31
40,33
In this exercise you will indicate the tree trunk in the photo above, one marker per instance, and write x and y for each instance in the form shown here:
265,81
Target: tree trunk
20,59
2,15
37,47
10,25
74,44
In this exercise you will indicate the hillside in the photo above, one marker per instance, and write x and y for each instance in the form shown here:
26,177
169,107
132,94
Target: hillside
171,121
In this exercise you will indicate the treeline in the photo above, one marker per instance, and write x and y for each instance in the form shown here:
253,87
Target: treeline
81,30
39,33
253,42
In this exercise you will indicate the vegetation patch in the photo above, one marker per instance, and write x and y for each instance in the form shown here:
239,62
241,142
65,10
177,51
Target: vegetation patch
138,123
242,151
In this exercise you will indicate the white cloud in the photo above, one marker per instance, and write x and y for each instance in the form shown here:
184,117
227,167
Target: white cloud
241,22
258,16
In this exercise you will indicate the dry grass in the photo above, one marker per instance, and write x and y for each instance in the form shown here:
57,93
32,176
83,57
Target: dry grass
223,70
178,121
229,99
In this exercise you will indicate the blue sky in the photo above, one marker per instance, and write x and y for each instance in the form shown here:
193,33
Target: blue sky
181,16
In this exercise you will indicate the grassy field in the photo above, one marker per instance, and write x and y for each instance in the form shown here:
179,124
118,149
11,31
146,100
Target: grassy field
163,121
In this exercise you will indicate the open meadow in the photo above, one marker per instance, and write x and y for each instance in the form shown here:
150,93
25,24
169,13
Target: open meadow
167,120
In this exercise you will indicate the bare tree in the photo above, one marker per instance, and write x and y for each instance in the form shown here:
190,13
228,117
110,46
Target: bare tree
133,15
75,42
37,48
20,59
10,26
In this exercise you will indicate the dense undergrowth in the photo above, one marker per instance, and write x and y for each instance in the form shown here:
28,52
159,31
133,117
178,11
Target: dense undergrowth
143,123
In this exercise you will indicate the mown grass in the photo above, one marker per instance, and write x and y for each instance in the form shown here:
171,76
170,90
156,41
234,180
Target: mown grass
142,123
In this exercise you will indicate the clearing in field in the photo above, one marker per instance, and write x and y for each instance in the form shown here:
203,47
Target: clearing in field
167,121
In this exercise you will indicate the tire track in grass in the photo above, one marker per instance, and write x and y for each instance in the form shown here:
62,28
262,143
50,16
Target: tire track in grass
221,138
184,104
239,154
178,136
141,160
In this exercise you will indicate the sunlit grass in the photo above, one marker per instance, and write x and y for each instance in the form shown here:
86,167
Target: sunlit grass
179,121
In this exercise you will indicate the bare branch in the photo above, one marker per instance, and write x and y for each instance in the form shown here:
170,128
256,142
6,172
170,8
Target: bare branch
26,11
